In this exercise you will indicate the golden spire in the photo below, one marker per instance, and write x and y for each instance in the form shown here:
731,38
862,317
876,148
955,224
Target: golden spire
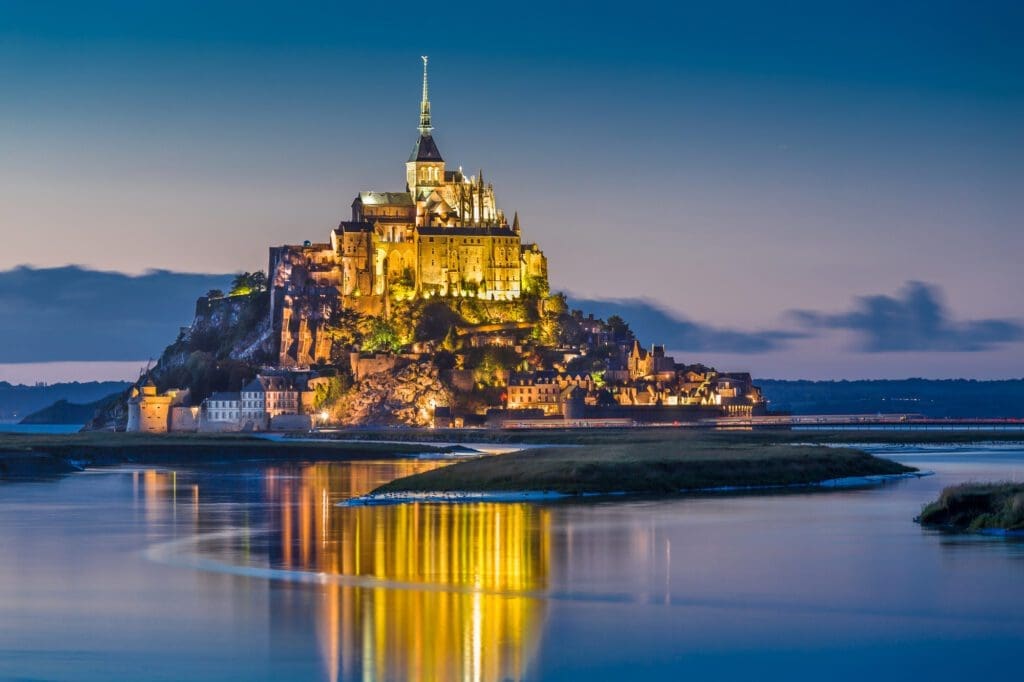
425,126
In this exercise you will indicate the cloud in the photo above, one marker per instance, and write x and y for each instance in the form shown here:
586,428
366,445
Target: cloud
651,323
914,320
73,313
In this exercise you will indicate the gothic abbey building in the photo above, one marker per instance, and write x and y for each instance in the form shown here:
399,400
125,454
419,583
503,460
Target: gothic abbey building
443,236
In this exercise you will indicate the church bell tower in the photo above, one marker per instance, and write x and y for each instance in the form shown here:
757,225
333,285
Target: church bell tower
425,168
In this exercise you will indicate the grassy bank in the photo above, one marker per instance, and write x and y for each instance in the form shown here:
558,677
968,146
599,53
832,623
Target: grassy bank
977,506
31,455
672,458
665,466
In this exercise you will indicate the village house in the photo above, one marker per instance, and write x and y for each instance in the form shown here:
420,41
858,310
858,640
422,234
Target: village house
223,408
534,390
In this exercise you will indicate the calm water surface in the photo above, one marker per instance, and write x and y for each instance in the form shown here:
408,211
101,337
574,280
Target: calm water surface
256,574
11,427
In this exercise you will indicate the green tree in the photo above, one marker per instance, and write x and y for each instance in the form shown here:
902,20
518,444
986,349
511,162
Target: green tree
330,392
403,287
537,286
344,327
555,304
556,326
258,280
382,337
620,331
488,361
248,283
240,284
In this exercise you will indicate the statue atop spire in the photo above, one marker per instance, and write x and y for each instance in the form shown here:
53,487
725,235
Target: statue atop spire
425,127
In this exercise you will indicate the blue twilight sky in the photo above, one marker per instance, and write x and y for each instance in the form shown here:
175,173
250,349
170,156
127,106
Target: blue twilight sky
816,189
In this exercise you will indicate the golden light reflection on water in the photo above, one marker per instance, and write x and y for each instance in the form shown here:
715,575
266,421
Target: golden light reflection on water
460,609
469,620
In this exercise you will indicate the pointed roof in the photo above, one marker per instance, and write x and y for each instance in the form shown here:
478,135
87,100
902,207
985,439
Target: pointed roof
425,149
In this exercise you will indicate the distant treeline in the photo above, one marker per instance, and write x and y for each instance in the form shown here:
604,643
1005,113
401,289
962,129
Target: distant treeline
18,401
931,398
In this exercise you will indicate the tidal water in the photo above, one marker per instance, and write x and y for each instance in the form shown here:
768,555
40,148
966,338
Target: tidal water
254,573
14,427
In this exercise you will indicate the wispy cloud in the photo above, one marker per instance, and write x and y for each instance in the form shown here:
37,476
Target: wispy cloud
916,319
654,324
73,313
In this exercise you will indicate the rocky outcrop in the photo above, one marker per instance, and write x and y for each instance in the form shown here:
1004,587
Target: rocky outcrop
233,327
228,338
404,397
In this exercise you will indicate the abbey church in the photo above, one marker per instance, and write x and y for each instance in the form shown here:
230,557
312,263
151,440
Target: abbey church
444,235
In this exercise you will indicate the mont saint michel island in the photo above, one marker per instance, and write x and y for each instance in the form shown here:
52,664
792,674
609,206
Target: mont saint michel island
425,307
604,343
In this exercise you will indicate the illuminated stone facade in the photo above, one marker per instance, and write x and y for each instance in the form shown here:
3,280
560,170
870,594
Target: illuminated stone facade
150,411
443,236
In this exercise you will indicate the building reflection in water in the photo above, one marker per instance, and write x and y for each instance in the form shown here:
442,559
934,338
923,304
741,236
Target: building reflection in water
455,601
459,613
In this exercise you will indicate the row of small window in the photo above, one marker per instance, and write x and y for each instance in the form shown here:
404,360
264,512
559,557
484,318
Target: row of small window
467,240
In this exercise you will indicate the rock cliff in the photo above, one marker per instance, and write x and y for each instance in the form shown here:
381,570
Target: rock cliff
229,338
406,396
